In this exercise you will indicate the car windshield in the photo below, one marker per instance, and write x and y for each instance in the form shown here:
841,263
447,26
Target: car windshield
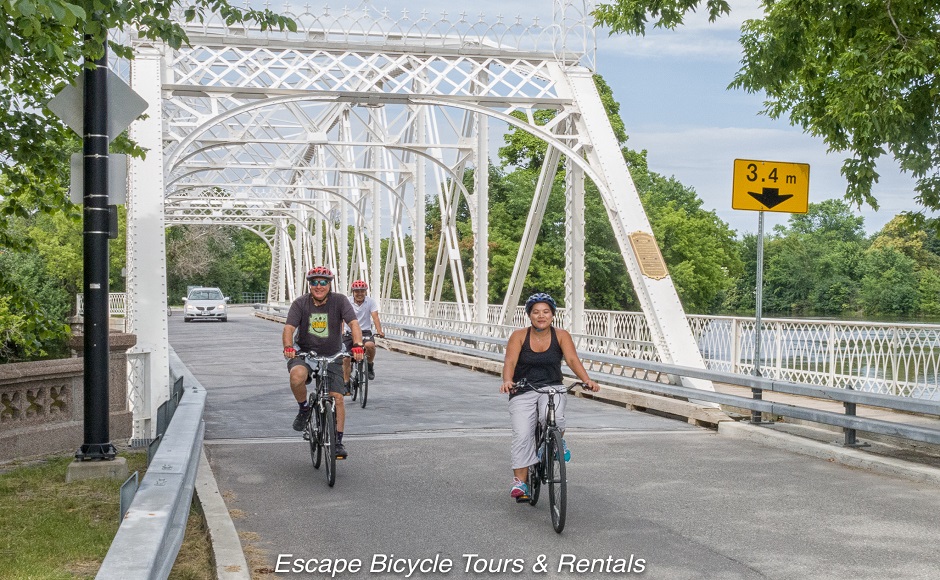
205,295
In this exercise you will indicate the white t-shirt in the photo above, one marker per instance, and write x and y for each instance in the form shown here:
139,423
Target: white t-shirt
364,312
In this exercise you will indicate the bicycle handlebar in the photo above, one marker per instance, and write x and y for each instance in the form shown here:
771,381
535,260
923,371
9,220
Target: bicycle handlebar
323,359
525,385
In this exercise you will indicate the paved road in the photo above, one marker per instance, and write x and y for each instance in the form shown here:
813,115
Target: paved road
428,477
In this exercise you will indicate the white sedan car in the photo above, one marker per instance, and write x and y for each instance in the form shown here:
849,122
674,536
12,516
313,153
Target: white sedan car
205,304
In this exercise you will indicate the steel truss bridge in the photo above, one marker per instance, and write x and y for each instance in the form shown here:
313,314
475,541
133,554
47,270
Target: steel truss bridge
351,124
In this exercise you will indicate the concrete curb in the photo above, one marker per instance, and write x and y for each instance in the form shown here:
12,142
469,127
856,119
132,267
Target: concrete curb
230,562
830,452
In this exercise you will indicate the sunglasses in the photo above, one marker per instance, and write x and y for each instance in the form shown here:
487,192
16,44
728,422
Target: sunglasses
320,282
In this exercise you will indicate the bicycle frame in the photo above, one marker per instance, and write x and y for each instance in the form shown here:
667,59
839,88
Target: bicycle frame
550,468
321,424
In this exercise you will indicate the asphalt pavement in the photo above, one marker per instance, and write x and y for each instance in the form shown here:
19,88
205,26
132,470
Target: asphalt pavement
427,483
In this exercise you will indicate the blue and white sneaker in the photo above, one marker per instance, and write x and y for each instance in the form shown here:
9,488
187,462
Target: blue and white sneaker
564,445
519,490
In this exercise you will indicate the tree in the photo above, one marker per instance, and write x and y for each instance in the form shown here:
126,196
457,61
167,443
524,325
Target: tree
861,75
43,47
812,263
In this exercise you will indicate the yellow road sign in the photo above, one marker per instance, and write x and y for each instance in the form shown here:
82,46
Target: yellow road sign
770,186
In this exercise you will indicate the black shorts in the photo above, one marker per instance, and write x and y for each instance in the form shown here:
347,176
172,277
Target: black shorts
366,337
334,374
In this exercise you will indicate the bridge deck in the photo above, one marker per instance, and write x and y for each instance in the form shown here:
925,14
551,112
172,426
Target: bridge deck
428,474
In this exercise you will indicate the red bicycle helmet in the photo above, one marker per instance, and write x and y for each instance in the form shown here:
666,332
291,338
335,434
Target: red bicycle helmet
319,272
360,285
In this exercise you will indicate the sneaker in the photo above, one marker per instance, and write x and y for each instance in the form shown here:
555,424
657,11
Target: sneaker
301,419
341,451
564,445
519,490
371,372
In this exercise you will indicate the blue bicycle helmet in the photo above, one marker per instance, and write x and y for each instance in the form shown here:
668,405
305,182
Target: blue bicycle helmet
539,297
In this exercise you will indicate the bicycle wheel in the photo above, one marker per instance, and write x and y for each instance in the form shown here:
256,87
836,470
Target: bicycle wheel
313,432
329,444
557,482
363,386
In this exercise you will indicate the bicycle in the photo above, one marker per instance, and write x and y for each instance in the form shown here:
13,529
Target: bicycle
320,429
550,468
359,381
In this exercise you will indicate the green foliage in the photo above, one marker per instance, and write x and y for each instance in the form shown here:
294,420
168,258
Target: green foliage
43,47
698,247
232,259
861,75
888,285
811,264
631,16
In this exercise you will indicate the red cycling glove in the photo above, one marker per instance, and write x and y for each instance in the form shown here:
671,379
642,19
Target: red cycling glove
289,352
357,350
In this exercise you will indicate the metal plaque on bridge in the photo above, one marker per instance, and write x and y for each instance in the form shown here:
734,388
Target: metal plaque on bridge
648,255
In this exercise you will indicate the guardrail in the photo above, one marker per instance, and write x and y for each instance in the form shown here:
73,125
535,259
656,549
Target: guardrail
151,533
888,358
616,368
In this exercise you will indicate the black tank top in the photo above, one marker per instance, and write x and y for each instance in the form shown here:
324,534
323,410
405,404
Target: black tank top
540,368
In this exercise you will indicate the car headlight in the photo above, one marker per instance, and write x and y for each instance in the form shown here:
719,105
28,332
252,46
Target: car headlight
221,307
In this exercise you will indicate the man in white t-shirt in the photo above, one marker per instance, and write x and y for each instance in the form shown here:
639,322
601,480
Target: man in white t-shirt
367,313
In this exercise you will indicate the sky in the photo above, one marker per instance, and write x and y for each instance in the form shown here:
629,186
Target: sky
672,89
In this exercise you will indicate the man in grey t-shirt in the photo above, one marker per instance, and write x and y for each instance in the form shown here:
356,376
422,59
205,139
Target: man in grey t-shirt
315,324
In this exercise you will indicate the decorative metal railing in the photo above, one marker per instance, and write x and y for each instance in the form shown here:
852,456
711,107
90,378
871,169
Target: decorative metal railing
569,35
117,304
897,359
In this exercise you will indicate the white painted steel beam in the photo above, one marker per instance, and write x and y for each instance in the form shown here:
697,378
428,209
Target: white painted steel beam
146,244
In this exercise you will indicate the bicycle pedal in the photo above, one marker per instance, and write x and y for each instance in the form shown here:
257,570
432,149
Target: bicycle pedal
522,499
306,436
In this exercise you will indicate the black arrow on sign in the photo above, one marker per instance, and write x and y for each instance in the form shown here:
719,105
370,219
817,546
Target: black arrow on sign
770,197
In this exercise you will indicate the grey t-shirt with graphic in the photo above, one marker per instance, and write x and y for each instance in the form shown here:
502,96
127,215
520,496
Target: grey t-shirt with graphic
320,328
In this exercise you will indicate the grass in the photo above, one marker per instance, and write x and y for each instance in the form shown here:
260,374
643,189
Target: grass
52,529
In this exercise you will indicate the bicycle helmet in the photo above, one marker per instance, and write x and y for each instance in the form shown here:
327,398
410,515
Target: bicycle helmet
539,297
360,285
319,272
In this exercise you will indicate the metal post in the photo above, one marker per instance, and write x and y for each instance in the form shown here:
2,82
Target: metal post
759,297
95,236
849,433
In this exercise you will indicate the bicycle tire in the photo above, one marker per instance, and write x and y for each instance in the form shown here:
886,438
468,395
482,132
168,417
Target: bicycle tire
364,387
329,445
313,430
557,482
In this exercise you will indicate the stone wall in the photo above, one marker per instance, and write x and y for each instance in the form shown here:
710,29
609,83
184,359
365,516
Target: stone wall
42,403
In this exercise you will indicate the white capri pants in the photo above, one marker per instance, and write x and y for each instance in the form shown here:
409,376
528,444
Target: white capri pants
522,415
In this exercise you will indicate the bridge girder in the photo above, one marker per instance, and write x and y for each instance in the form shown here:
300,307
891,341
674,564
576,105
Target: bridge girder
330,130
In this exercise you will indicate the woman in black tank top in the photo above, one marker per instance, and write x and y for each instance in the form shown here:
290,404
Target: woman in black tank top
535,353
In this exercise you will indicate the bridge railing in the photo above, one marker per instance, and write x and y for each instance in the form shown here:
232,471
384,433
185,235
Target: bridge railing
885,358
117,304
622,371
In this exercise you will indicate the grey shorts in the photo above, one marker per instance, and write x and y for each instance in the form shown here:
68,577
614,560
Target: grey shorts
525,410
334,373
